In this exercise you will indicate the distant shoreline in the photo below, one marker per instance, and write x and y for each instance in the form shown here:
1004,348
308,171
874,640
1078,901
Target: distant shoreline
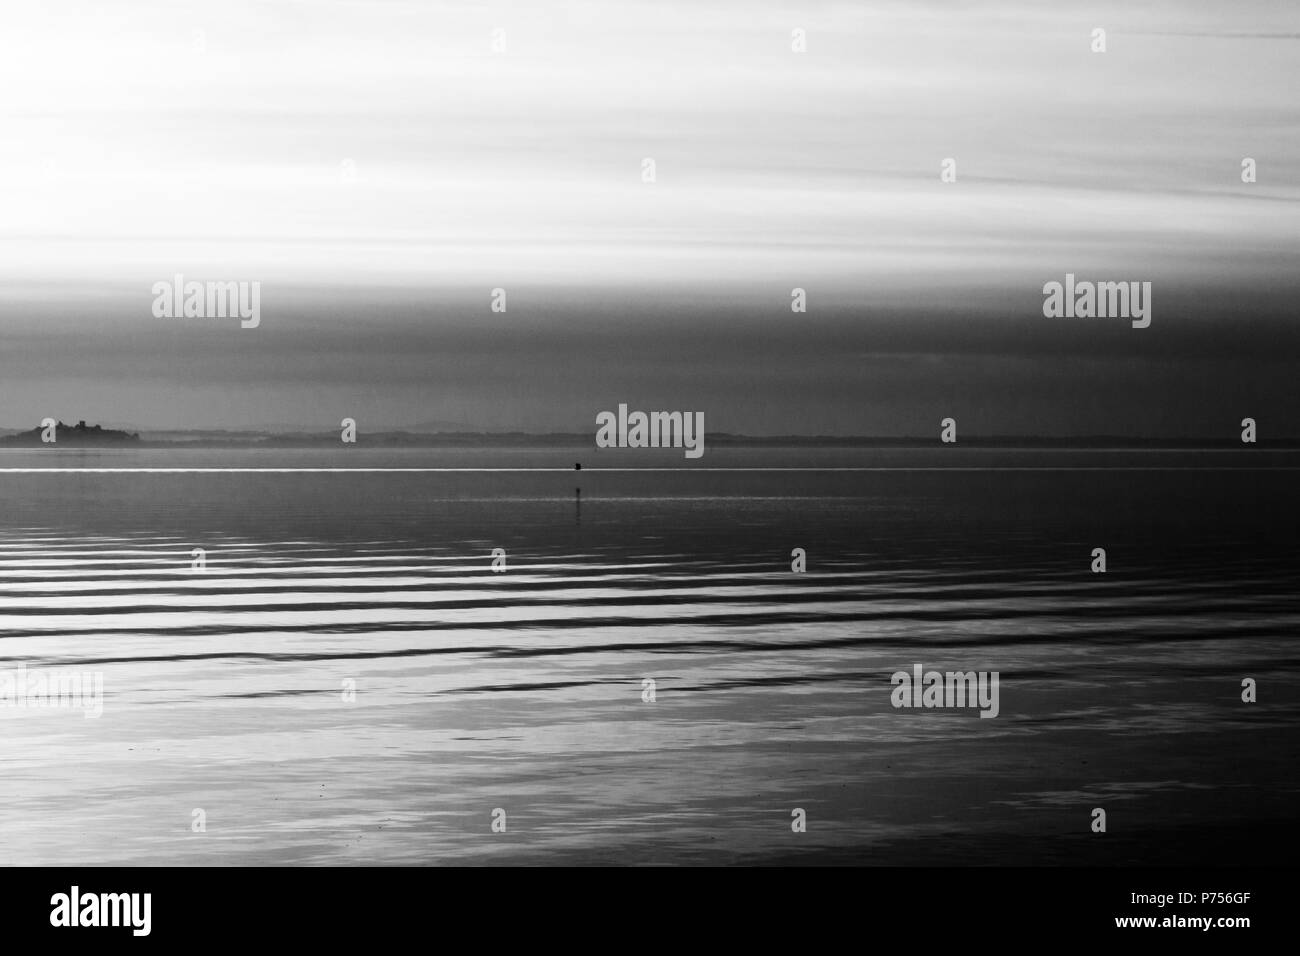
14,438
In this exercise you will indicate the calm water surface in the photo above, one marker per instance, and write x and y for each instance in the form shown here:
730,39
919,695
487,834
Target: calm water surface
223,689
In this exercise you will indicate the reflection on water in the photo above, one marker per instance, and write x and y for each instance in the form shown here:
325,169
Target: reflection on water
224,688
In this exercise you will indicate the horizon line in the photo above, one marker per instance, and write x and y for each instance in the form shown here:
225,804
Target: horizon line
687,468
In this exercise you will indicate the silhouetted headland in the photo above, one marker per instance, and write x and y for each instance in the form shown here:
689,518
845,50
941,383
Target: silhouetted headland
78,434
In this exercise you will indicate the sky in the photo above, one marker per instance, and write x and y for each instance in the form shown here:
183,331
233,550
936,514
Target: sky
379,168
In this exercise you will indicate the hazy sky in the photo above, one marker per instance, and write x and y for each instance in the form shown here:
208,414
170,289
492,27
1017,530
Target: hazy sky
379,169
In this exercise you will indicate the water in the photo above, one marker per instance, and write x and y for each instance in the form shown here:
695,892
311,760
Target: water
223,689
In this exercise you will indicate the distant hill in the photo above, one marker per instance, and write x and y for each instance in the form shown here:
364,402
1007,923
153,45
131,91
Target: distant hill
417,437
446,427
78,434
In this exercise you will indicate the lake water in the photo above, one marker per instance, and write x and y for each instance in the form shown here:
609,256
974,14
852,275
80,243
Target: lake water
223,689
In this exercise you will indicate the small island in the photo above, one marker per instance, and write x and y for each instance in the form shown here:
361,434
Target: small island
78,434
